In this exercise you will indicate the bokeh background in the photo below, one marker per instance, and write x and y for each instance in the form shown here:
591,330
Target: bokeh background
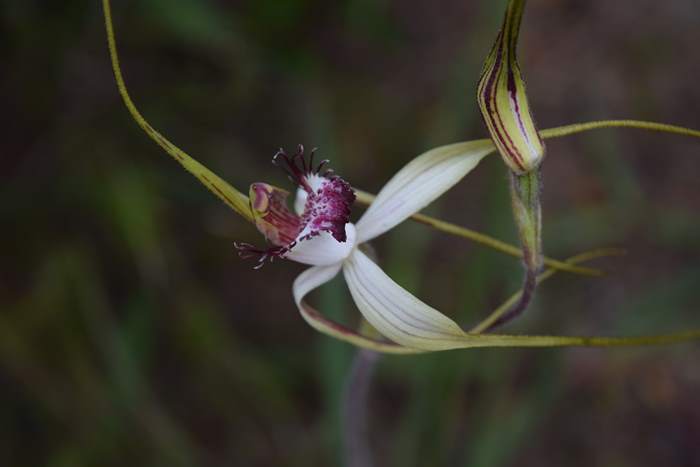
131,333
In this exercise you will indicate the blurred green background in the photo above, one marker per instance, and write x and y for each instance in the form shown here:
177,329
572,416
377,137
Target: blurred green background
131,333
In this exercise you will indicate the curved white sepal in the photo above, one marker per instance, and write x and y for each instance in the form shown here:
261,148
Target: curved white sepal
323,249
311,279
317,276
394,312
419,183
415,326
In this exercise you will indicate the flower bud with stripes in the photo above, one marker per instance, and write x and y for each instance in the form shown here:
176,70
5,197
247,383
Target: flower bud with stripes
503,101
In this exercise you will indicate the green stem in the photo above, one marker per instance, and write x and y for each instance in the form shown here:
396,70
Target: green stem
527,211
229,195
566,130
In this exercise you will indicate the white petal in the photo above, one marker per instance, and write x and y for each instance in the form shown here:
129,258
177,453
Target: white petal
419,183
323,249
315,277
394,312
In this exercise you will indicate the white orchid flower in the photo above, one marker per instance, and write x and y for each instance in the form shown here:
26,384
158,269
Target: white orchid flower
320,234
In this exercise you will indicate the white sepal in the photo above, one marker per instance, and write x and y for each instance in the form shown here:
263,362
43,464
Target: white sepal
416,327
419,183
323,249
394,312
317,276
311,279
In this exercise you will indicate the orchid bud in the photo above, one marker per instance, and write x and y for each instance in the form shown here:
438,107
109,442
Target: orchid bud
503,101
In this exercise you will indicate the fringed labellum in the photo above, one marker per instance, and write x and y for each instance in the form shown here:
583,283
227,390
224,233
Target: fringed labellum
319,227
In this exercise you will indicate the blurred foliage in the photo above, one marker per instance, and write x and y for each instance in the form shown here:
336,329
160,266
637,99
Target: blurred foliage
132,333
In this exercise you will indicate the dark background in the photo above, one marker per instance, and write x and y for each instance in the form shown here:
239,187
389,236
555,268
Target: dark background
132,334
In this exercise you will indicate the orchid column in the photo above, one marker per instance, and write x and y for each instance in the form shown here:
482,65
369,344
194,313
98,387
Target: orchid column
506,112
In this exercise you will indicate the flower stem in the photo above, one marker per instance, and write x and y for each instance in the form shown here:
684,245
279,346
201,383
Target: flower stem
356,449
526,295
527,212
525,196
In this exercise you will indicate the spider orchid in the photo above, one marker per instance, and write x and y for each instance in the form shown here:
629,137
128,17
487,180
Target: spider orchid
394,312
318,233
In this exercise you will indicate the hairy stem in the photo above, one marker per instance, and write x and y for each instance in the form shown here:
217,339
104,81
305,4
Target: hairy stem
526,295
527,212
356,449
